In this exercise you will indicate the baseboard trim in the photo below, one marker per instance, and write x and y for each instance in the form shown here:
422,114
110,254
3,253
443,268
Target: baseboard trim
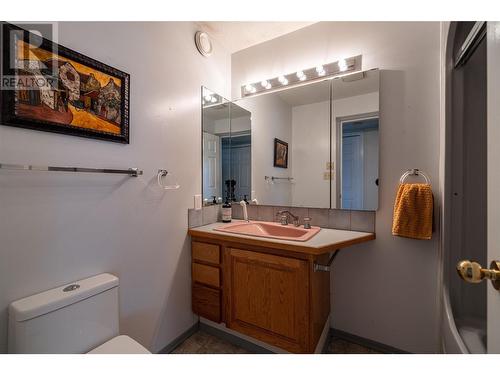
180,339
235,340
375,345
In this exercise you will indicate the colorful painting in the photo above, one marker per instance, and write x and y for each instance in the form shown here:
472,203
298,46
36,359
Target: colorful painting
60,90
280,153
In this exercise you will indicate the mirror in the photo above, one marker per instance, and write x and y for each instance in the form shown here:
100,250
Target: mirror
355,132
216,132
315,145
291,146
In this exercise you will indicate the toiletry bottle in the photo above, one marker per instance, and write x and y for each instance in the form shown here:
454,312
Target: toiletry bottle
226,211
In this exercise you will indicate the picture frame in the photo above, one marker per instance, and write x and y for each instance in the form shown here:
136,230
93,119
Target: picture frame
280,153
60,90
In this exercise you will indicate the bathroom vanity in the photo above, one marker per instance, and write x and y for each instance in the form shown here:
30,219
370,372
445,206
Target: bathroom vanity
276,291
267,282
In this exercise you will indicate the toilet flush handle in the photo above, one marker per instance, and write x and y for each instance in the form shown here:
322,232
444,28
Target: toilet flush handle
472,272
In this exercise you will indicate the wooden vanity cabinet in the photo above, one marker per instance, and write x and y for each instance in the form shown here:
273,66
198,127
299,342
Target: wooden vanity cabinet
268,294
267,297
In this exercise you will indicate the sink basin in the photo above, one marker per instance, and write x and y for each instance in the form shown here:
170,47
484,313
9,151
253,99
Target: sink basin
270,230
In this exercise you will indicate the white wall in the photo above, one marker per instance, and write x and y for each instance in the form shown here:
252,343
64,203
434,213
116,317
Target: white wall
56,227
271,118
311,152
385,290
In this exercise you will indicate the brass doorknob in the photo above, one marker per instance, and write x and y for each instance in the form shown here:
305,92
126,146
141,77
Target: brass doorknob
472,272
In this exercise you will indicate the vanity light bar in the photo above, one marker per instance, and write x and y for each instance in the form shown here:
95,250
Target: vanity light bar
343,66
210,98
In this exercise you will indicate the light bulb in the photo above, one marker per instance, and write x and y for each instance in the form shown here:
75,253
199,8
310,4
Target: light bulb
264,83
320,70
342,65
208,98
214,99
283,80
249,88
300,74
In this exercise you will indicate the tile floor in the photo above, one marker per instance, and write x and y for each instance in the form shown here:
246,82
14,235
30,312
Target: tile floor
204,343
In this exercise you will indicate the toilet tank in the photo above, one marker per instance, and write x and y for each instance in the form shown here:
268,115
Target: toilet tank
73,318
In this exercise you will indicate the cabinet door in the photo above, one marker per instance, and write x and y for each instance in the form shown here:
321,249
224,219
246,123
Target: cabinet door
268,298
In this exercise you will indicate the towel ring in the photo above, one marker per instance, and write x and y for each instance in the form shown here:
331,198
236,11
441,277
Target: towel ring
414,172
163,173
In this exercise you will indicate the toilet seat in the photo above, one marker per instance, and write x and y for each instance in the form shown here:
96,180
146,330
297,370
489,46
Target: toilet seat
120,345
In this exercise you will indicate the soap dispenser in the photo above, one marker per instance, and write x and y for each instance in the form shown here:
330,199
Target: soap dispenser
226,211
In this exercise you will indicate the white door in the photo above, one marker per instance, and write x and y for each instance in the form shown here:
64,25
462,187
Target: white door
493,147
211,166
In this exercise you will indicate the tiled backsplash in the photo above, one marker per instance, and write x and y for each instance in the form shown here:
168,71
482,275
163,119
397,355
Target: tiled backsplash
363,221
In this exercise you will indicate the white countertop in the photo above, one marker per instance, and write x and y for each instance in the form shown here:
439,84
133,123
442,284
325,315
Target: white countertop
326,239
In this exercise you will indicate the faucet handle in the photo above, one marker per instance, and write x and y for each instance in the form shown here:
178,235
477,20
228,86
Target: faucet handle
284,219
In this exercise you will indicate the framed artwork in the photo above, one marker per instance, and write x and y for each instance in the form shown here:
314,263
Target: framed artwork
280,153
56,89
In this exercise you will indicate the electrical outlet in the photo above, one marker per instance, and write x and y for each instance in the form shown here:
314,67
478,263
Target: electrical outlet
329,165
327,176
197,202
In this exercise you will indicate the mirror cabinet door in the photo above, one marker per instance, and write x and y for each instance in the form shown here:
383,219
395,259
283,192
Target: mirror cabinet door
216,137
290,146
355,141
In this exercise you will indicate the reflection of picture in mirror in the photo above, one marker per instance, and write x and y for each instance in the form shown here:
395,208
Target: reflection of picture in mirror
280,153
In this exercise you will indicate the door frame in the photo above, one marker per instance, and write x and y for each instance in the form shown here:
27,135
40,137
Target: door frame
493,179
338,149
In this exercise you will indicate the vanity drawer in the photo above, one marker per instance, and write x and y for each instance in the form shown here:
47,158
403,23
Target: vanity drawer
206,275
206,252
207,302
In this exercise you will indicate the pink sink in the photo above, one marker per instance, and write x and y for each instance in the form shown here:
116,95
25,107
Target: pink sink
270,230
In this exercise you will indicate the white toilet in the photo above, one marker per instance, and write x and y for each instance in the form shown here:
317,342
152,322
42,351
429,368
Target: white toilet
78,318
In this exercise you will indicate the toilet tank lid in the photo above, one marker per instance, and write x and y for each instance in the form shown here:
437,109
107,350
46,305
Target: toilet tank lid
68,294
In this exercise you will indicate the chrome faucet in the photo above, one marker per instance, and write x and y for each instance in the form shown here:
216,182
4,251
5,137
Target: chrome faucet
283,215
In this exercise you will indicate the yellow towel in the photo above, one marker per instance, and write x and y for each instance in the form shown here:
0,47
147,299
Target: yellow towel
413,211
